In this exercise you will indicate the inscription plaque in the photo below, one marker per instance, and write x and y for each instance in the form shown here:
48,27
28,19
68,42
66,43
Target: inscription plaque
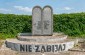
46,48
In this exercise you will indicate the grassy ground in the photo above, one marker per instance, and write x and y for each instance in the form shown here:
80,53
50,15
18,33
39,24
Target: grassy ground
5,36
80,36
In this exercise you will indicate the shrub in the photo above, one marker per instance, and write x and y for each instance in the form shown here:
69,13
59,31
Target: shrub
71,24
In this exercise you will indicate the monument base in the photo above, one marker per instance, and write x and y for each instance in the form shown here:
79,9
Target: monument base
56,43
24,46
28,37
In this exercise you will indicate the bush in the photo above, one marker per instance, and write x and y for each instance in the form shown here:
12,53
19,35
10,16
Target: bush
12,24
71,24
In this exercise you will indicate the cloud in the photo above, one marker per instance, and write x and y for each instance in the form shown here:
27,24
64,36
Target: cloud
67,8
25,9
6,10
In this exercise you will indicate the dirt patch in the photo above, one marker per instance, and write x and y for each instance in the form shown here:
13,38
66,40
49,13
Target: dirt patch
1,43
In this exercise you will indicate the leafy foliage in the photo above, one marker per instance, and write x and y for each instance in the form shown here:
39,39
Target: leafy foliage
71,24
12,24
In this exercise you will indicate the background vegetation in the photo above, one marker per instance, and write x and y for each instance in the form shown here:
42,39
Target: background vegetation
71,24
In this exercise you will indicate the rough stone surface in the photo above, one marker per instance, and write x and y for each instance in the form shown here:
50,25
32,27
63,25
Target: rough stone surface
36,21
42,21
81,40
57,39
6,51
54,37
47,20
14,44
42,39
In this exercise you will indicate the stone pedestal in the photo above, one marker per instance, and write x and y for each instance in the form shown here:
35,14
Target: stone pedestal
27,43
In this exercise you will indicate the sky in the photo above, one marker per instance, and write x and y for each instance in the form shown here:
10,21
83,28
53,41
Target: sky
25,6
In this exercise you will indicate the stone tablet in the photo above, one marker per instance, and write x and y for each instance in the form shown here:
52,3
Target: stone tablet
47,20
36,21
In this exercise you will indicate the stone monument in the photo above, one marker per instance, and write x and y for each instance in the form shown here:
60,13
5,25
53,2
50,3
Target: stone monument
42,20
42,38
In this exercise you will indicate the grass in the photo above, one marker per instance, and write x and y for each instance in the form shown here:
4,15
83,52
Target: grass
5,36
80,36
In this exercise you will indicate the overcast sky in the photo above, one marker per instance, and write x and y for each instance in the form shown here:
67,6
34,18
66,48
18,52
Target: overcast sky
25,6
